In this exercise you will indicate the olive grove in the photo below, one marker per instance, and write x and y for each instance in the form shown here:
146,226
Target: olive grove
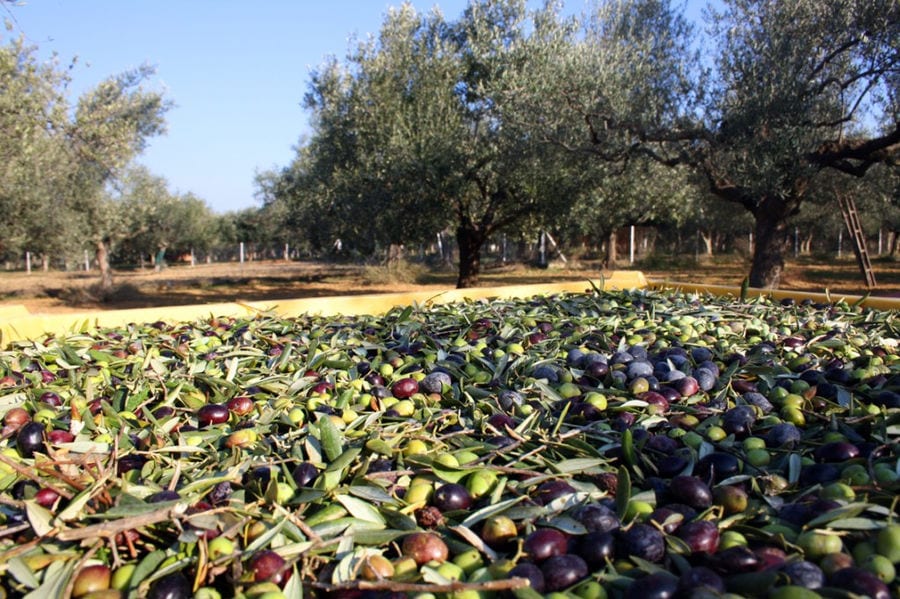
508,115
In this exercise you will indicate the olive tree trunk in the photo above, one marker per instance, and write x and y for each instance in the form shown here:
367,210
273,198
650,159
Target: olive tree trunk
469,239
102,255
770,245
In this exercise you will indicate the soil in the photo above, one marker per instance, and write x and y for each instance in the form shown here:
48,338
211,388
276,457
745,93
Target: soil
56,292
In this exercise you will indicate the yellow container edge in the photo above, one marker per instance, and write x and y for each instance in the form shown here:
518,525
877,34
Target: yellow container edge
17,324
33,326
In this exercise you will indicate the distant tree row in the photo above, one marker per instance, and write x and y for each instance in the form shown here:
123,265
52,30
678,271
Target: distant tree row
497,125
69,183
506,119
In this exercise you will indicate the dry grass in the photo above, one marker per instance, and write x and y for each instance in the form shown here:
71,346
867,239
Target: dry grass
209,283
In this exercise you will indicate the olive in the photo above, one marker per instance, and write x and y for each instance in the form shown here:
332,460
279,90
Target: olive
268,566
699,580
667,519
405,388
129,462
546,371
735,560
819,474
51,398
304,474
256,481
738,421
164,495
424,547
544,543
658,585
717,466
757,400
702,536
550,490
805,574
171,586
89,579
686,386
643,541
596,517
213,413
435,382
836,451
562,571
15,418
783,434
57,437
691,491
241,405
452,496
46,497
509,399
596,548
30,439
529,572
498,530
860,581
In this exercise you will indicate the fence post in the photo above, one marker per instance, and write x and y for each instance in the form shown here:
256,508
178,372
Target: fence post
242,253
631,245
87,261
28,262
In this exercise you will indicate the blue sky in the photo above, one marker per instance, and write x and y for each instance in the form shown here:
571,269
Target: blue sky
236,71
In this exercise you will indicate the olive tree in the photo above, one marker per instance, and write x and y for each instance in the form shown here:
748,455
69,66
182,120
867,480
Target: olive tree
795,88
418,131
59,158
800,89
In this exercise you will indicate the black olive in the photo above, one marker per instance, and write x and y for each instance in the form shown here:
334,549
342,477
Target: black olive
30,439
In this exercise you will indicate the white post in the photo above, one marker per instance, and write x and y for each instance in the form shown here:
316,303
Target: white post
87,261
880,239
796,241
193,258
543,247
840,241
28,262
242,252
631,245
750,242
287,252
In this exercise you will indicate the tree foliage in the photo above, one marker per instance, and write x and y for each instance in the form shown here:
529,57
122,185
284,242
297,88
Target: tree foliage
59,158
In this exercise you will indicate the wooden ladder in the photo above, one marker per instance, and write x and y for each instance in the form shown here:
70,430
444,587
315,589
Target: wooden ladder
851,219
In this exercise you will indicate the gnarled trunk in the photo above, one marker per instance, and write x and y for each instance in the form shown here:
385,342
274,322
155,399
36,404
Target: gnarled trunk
612,254
770,245
102,255
469,238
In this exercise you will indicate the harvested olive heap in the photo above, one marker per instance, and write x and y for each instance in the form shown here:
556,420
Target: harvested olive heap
628,444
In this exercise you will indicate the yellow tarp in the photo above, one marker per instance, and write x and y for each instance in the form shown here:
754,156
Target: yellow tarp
32,326
879,303
16,323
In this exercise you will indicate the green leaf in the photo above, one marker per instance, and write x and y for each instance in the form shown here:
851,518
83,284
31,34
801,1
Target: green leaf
623,491
845,512
574,465
490,510
361,509
39,517
147,566
628,447
56,579
330,437
21,572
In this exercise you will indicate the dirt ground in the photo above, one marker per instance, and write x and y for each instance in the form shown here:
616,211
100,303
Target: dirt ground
55,292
